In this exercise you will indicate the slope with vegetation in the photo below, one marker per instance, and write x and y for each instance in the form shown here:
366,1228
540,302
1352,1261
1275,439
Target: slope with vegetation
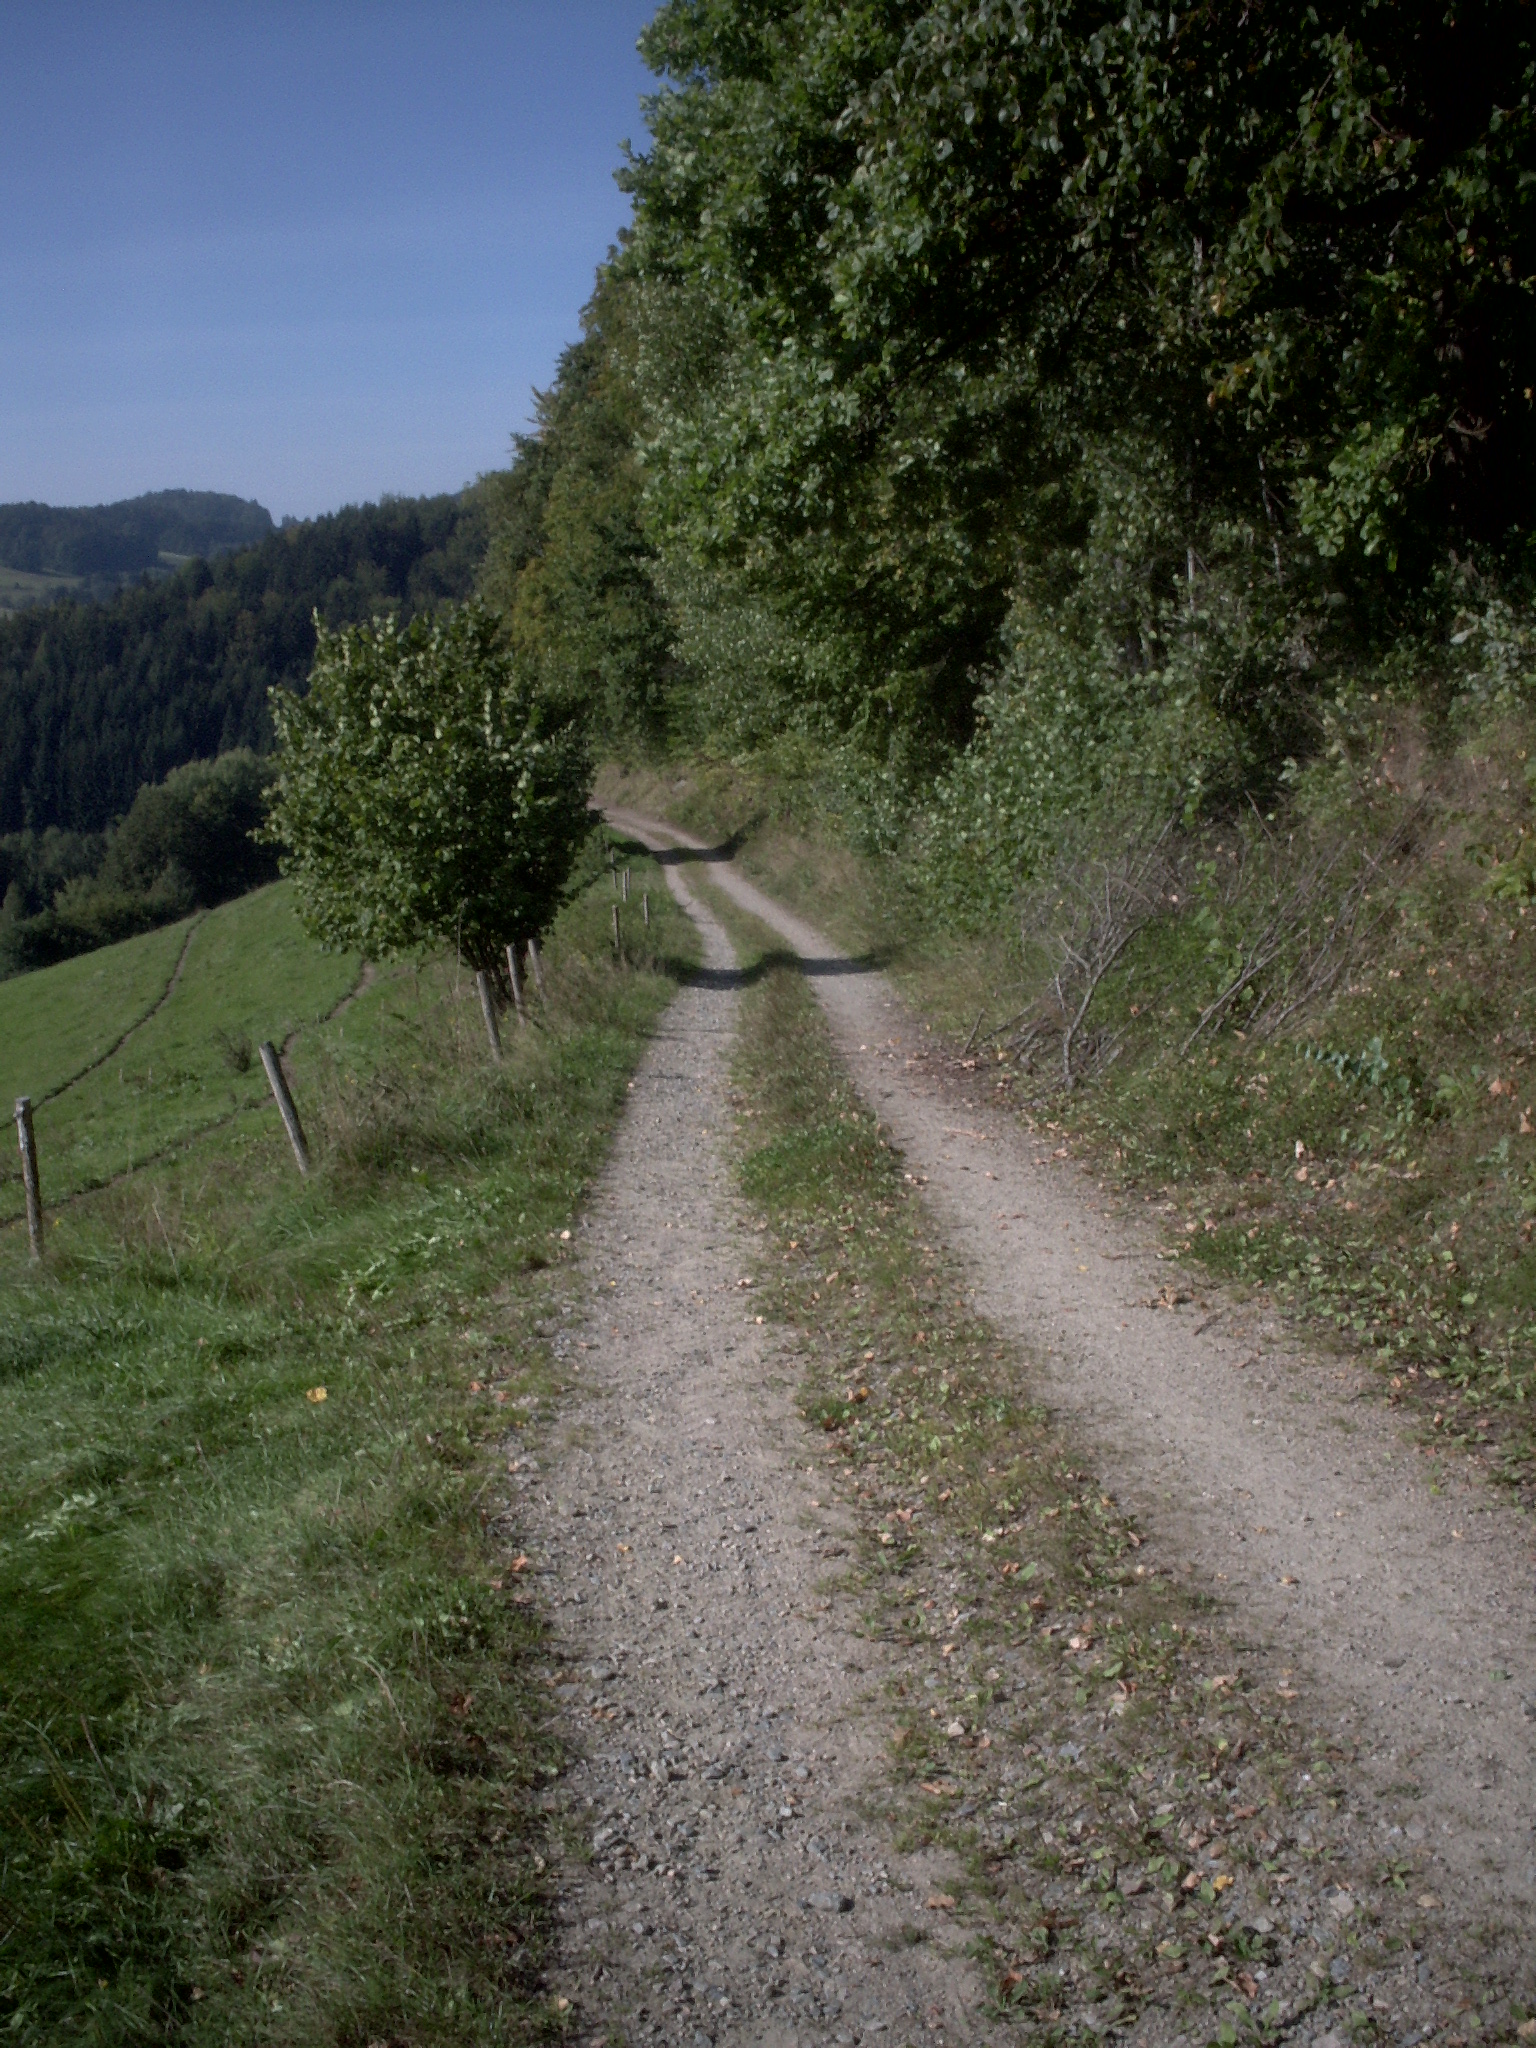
272,1740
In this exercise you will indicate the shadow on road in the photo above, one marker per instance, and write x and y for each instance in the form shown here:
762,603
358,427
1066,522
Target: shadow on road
746,977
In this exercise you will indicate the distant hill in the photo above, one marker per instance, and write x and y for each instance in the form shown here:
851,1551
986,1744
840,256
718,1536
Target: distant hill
49,548
97,699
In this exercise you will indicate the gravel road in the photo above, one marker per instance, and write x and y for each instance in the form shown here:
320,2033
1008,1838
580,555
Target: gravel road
1278,1482
724,1879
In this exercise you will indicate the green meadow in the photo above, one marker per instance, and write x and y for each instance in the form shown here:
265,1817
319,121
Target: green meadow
188,1061
271,1736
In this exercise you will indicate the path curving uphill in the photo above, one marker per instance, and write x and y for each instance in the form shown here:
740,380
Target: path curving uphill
1406,1620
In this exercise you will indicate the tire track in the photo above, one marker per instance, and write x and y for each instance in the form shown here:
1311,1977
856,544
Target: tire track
1294,1500
138,1023
722,1883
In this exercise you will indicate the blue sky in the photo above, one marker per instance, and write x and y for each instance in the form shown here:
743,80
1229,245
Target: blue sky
307,253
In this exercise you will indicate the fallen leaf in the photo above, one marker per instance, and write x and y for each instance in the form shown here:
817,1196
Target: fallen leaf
1428,1901
1246,1985
624,1550
941,1902
315,1394
1221,1883
519,1564
938,1788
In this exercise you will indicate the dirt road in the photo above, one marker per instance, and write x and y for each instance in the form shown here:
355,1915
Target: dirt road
1278,1482
722,1882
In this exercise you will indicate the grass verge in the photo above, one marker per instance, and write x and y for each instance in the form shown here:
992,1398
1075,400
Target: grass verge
1155,1835
269,1736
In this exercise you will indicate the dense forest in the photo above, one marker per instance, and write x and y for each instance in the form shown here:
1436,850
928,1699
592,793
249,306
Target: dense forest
1029,408
99,699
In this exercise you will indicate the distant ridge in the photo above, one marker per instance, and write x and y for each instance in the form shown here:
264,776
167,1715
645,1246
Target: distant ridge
127,538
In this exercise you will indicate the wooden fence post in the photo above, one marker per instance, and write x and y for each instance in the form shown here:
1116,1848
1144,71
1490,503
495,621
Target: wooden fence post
27,1139
488,1011
285,1108
538,970
517,983
616,946
645,908
626,885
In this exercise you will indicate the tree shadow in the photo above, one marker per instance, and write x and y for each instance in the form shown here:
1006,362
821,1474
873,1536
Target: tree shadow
767,963
872,961
684,856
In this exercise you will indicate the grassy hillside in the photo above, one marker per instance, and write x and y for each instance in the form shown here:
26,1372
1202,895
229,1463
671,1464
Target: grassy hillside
247,972
271,1741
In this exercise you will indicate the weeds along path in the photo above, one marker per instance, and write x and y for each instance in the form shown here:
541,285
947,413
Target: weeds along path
1403,1617
719,1883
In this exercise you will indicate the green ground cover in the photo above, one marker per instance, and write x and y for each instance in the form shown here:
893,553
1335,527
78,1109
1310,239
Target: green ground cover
249,974
62,1019
270,1744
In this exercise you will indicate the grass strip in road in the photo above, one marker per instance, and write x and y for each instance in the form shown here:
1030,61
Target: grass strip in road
271,1741
1151,1822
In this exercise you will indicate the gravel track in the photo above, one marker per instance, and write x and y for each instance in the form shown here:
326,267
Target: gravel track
722,1880
1277,1482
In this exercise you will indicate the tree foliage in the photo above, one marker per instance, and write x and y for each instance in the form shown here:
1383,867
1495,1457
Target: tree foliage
429,791
1015,300
187,843
570,566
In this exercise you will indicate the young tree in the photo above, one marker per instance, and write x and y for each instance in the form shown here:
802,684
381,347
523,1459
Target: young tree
428,793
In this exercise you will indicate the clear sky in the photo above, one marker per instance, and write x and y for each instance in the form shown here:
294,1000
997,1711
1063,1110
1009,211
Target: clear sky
304,252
